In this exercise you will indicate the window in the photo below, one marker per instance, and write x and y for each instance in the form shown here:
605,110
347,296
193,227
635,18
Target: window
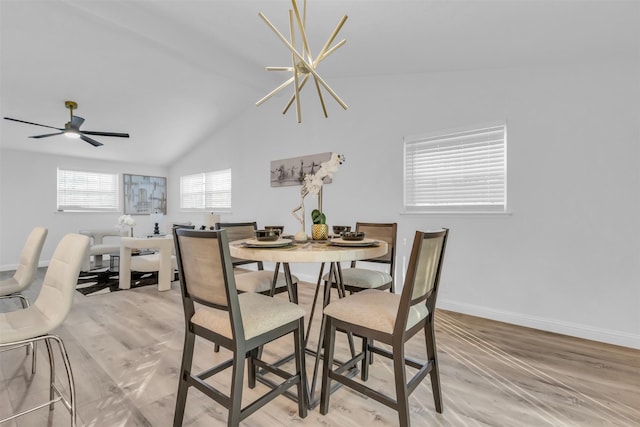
87,191
458,171
206,191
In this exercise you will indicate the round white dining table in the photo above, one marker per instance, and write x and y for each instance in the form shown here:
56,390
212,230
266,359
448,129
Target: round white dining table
310,251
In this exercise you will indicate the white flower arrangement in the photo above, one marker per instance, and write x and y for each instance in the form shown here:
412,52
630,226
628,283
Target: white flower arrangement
313,183
126,220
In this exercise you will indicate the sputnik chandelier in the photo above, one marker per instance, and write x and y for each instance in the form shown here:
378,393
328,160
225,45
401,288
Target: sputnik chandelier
303,65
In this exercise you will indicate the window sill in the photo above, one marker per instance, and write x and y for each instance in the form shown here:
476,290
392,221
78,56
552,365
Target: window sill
457,213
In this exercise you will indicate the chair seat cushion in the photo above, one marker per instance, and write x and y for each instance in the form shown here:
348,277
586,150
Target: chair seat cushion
23,324
373,309
260,314
363,278
260,281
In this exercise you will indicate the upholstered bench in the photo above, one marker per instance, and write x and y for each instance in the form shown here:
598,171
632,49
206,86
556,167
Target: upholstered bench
98,247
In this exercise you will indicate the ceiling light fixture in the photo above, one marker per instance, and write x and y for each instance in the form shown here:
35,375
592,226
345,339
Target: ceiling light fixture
72,134
303,64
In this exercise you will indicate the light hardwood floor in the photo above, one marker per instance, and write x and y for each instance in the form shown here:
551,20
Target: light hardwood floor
125,351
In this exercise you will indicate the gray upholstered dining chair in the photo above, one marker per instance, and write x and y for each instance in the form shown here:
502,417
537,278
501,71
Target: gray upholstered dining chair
240,322
391,319
257,281
38,321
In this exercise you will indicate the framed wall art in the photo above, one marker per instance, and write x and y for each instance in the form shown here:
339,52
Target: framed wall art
292,171
144,195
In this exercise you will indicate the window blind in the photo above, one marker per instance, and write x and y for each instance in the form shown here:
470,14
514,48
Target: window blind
206,191
458,171
87,191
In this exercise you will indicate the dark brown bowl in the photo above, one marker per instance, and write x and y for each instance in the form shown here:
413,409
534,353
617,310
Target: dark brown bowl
339,229
353,235
267,235
280,228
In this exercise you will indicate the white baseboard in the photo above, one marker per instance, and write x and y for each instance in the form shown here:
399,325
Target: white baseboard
566,328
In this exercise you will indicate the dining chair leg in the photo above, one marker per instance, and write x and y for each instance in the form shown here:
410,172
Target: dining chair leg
251,367
432,355
402,397
185,372
71,404
237,377
52,373
329,338
364,370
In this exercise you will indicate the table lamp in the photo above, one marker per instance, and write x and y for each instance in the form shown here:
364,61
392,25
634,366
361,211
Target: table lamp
156,218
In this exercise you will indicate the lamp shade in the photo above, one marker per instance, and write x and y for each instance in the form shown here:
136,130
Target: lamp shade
210,220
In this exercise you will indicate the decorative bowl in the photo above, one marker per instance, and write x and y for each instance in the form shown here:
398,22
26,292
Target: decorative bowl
267,235
339,229
353,235
280,228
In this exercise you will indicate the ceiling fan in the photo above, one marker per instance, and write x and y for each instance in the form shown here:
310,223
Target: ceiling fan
72,128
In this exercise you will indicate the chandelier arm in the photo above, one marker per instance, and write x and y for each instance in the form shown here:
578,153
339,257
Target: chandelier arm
301,59
332,37
324,107
305,43
330,51
293,97
278,68
275,91
296,84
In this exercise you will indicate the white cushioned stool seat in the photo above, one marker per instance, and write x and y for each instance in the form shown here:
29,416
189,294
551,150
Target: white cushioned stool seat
260,281
363,278
373,309
260,314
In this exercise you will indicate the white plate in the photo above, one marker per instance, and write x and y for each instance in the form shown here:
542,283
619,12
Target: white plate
363,242
254,243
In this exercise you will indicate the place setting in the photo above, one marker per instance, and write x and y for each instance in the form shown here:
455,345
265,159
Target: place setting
269,237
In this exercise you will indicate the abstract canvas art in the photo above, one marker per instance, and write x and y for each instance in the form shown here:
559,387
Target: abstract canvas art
144,195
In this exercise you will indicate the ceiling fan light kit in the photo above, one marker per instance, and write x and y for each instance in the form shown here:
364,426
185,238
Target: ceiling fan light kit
303,64
72,128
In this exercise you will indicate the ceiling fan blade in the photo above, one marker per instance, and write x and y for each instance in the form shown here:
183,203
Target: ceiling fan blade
31,123
120,135
46,135
76,122
90,141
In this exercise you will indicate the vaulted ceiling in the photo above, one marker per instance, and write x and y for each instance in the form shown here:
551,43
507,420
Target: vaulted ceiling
172,72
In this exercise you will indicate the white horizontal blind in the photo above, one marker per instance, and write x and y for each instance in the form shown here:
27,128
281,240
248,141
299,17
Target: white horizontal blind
206,191
460,171
87,191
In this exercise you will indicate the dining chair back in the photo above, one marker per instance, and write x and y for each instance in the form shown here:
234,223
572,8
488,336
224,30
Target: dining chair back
392,320
239,231
266,282
358,277
27,266
242,323
24,276
51,307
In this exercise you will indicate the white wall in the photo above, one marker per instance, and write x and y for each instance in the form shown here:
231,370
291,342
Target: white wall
567,258
28,194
